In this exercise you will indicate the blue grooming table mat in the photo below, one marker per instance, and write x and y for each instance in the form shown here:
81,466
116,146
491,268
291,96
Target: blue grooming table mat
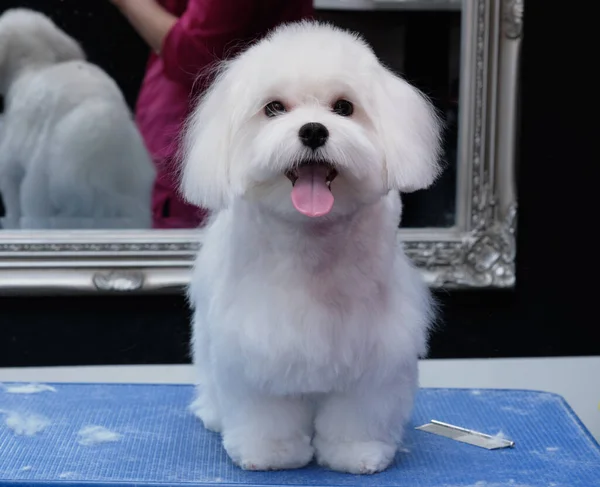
152,439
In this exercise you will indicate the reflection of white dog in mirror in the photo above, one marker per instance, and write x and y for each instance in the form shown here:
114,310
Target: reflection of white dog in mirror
70,154
309,319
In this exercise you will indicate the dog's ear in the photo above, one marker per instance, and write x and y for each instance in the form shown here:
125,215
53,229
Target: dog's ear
205,175
64,46
410,132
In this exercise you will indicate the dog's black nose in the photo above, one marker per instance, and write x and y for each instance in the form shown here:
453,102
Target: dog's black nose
313,135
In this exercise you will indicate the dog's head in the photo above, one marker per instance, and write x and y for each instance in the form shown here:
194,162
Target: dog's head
29,38
308,122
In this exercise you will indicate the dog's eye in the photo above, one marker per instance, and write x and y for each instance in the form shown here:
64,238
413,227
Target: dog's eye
343,108
274,108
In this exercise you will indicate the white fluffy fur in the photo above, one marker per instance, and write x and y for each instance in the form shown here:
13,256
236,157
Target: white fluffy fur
94,435
25,424
307,332
70,154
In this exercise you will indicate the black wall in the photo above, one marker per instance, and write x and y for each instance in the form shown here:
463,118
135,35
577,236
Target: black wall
550,313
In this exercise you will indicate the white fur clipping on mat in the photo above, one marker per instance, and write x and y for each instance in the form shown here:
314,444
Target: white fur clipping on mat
25,424
69,475
28,388
93,435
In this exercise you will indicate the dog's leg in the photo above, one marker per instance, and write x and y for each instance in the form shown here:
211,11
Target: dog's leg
12,204
358,431
206,404
267,433
37,206
11,179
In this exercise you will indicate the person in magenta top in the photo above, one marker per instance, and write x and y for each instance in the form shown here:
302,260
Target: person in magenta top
186,37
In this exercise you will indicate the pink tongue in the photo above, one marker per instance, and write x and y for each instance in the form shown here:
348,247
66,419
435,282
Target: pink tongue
311,195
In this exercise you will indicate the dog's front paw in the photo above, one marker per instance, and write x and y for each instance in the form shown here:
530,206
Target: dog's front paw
207,413
268,454
356,457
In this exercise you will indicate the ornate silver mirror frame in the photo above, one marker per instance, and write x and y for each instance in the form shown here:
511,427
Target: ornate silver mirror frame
479,251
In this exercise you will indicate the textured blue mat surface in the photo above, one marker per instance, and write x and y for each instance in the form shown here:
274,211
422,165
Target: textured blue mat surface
159,442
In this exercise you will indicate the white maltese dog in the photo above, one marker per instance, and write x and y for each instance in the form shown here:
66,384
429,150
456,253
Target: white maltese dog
308,318
70,154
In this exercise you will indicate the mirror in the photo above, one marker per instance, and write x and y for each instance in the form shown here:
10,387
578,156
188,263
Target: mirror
89,139
74,158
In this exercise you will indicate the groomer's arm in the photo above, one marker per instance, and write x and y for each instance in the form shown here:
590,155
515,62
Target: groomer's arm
150,20
194,41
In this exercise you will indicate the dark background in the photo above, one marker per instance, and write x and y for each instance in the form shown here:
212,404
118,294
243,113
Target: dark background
552,310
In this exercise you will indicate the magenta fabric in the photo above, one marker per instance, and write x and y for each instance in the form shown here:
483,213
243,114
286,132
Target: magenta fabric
207,31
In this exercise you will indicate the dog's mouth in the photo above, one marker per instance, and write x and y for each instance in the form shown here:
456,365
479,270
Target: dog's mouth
311,187
292,174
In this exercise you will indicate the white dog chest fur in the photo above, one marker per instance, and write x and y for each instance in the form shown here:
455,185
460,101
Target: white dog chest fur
299,313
